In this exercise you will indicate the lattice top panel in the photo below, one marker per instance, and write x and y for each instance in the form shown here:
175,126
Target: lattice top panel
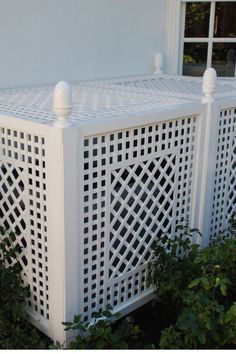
109,99
170,85
89,103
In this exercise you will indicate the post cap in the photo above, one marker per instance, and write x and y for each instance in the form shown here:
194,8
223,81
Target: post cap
158,63
209,84
62,102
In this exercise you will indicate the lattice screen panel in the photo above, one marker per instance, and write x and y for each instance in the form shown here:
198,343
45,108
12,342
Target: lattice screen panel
137,185
224,198
23,208
12,207
231,202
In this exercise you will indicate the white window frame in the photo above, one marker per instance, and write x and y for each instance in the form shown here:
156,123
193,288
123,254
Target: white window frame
175,34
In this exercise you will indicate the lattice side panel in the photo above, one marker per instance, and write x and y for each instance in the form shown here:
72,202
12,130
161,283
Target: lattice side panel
23,208
231,202
12,207
224,202
137,185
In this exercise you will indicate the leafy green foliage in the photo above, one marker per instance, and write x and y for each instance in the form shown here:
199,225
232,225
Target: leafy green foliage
172,267
15,331
102,333
199,287
196,288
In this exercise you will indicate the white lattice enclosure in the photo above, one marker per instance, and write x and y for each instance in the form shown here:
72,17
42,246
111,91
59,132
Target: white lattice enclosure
88,200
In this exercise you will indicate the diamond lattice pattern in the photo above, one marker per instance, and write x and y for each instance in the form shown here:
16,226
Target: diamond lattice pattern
12,207
231,203
224,198
128,202
23,209
12,204
141,209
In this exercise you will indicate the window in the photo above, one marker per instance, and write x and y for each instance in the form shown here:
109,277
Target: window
209,37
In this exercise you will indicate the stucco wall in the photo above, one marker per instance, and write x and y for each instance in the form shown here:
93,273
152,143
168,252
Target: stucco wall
43,41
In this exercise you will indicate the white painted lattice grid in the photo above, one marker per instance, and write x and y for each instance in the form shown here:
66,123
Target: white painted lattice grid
110,99
23,208
224,198
137,185
184,87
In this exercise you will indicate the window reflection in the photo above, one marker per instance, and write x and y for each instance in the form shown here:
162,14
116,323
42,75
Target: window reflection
223,58
225,19
195,59
197,19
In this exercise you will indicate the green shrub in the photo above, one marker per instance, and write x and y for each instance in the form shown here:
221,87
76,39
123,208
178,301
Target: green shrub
102,333
196,288
15,331
199,287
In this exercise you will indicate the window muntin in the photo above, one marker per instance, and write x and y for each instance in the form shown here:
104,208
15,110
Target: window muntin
209,37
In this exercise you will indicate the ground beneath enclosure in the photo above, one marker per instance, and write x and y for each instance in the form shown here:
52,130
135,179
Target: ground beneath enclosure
151,318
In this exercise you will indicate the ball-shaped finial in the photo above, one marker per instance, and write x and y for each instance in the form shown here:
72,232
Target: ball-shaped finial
158,63
209,84
62,103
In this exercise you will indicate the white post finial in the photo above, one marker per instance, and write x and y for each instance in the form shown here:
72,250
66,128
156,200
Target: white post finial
62,103
158,63
209,85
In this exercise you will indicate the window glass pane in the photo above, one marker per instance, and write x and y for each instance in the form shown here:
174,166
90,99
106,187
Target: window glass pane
195,59
223,58
197,19
225,19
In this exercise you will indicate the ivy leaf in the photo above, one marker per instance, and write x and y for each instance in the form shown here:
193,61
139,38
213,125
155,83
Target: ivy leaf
107,314
96,315
194,283
205,283
67,324
109,307
232,309
223,289
218,282
202,338
116,314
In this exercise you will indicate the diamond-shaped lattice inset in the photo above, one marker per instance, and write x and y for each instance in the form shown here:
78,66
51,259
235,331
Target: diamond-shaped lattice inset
12,205
224,196
23,208
231,202
142,200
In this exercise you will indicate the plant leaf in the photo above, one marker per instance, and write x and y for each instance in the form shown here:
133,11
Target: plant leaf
194,283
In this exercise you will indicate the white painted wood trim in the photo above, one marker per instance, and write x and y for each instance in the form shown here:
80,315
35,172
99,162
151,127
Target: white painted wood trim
206,40
173,28
207,0
211,34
